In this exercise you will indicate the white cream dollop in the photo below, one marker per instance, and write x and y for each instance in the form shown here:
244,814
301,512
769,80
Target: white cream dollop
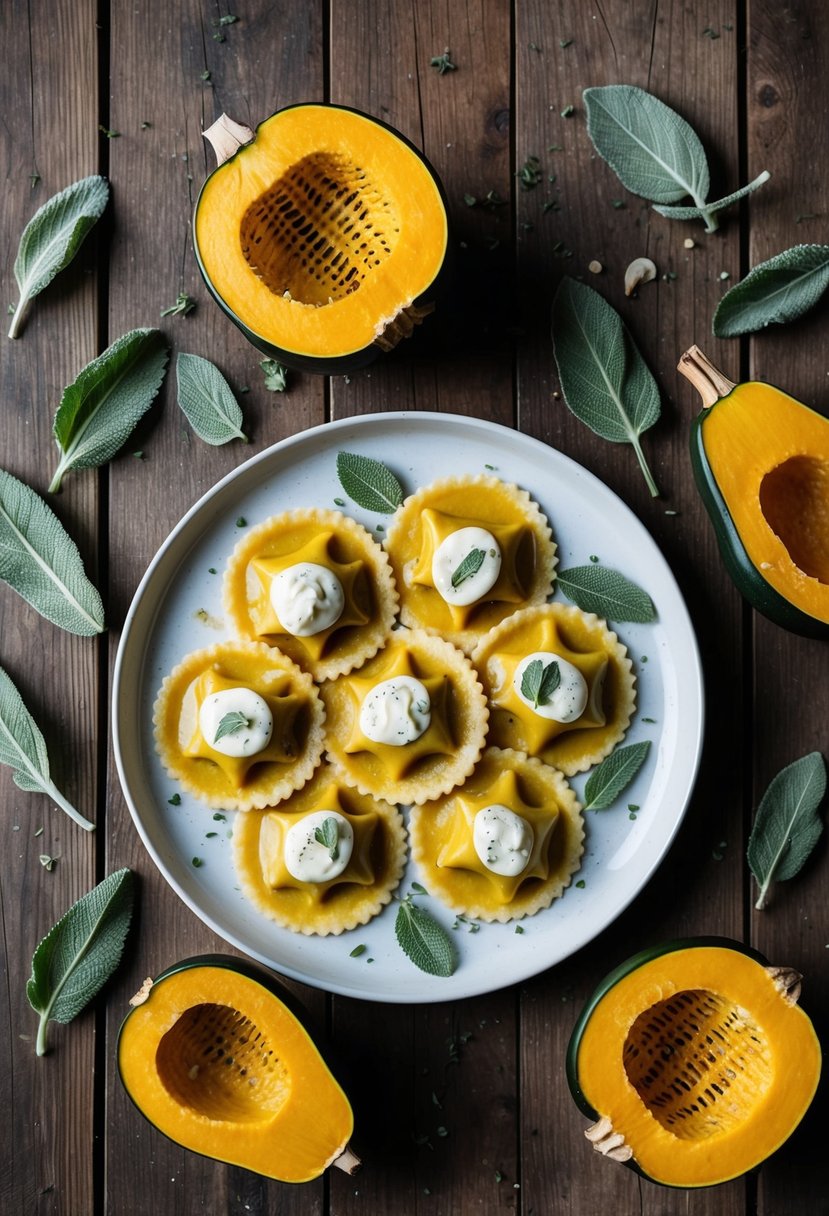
569,701
502,840
449,555
251,736
307,598
396,711
308,859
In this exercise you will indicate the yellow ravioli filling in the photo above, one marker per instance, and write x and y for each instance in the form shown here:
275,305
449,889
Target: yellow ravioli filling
436,740
459,853
515,541
283,746
275,826
352,576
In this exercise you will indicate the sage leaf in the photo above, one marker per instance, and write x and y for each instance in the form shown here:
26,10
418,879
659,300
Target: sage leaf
23,749
276,375
774,292
100,410
369,483
327,834
605,381
52,237
607,593
41,562
470,565
613,775
654,152
787,825
423,940
207,402
539,682
79,954
230,723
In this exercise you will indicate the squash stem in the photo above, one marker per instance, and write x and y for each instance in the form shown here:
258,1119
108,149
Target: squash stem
347,1161
226,137
707,379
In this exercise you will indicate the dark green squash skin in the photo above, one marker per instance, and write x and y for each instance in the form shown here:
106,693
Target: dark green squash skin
745,575
610,981
331,365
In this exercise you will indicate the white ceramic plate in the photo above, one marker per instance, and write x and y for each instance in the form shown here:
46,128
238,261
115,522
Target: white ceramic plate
177,609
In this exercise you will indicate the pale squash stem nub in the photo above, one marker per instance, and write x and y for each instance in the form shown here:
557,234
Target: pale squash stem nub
707,379
347,1160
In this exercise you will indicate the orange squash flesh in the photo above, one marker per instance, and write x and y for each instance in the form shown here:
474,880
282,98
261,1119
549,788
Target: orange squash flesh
217,1062
321,232
700,1062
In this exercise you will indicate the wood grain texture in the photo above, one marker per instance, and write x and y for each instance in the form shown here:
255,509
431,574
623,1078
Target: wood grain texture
47,1165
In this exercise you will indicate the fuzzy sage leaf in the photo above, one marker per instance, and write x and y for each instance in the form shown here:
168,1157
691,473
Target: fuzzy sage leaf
470,565
41,562
774,292
230,723
607,593
23,749
327,834
539,681
605,381
79,954
654,152
613,775
787,825
369,483
99,411
423,940
207,402
52,237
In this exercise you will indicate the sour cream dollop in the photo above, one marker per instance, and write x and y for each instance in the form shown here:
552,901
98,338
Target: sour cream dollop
396,711
307,598
569,701
310,860
502,840
449,556
247,737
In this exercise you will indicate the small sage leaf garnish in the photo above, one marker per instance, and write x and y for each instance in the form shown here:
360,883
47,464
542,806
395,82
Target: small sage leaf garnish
23,749
230,723
423,940
470,565
654,152
787,825
327,834
774,292
605,381
540,681
183,306
613,775
369,483
79,954
42,563
52,237
607,593
206,400
99,411
276,375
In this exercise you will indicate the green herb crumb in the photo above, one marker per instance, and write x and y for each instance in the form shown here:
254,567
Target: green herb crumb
443,63
175,800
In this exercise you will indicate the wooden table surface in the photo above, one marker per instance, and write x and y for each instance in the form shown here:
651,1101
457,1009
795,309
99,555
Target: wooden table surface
753,81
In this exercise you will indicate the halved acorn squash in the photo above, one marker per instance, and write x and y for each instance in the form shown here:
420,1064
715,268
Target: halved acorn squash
695,1060
213,1056
322,235
761,463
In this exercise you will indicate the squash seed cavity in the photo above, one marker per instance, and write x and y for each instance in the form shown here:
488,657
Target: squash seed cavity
319,231
794,498
215,1061
698,1062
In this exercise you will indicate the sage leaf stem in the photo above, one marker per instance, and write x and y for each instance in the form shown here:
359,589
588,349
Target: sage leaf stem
79,954
52,237
23,749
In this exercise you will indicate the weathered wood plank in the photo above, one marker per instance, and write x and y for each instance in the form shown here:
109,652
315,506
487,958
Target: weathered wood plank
48,95
787,100
159,55
585,214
